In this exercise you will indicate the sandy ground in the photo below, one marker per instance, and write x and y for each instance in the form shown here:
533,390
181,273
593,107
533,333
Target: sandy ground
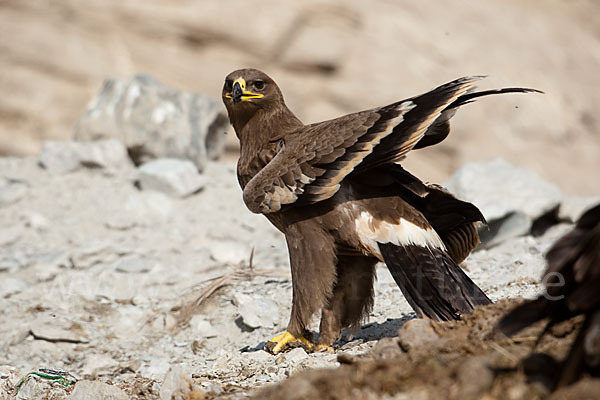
119,285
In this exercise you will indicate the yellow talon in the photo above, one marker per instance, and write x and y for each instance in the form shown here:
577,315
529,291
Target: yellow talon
324,348
276,344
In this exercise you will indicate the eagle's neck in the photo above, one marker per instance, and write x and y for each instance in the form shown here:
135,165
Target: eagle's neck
259,138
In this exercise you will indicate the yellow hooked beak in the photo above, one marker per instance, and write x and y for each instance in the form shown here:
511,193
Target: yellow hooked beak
239,92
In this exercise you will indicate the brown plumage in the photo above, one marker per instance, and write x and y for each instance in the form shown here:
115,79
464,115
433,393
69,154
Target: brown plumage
336,191
572,283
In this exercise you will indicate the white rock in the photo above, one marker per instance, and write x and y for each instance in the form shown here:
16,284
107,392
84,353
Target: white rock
227,252
259,312
203,327
295,355
174,177
58,329
11,286
98,365
240,298
65,156
156,369
35,221
176,385
97,390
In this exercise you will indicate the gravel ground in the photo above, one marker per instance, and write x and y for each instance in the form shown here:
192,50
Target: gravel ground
119,285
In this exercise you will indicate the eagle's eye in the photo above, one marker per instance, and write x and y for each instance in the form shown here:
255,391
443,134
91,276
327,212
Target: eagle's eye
259,85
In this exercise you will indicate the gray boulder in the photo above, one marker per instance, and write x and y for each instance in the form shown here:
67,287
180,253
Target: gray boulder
510,198
156,121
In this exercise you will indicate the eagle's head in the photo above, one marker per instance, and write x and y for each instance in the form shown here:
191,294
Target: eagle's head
247,91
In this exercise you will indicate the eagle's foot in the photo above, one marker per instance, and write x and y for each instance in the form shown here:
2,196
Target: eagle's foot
324,348
287,340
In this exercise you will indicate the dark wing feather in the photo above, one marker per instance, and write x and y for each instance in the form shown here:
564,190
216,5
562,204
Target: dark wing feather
320,156
440,128
431,281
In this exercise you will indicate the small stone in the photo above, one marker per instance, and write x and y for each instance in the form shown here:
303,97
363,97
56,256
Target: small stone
259,312
10,235
97,390
176,385
174,177
295,355
134,264
108,154
56,329
11,286
203,327
416,333
61,157
98,365
226,252
35,221
11,191
156,369
239,299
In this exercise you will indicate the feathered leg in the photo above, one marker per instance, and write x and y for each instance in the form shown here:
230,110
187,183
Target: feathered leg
351,300
312,261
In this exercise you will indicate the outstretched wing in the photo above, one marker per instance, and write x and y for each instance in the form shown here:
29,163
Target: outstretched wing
314,159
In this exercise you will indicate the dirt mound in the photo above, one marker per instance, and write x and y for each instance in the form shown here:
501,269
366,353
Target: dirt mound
456,360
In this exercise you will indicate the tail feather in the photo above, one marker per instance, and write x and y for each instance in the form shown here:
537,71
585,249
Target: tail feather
433,284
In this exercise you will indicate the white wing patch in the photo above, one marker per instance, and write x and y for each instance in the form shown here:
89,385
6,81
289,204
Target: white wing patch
402,233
